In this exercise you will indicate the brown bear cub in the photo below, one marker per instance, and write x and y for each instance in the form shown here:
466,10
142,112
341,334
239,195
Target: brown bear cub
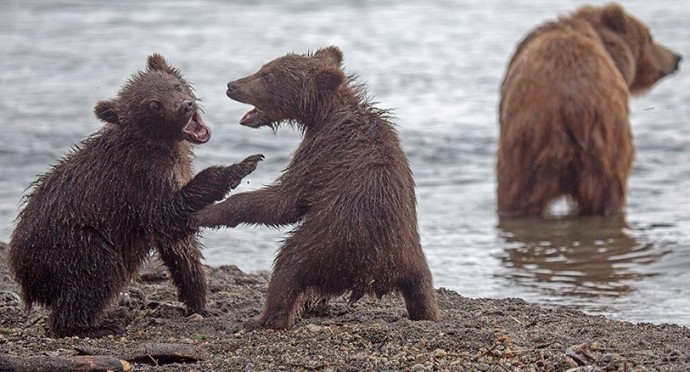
90,222
564,111
349,186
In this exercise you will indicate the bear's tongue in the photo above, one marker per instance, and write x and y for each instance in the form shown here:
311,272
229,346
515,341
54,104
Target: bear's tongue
250,117
196,130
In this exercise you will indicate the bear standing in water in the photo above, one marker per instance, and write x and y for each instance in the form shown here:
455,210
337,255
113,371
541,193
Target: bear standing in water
349,186
90,222
564,111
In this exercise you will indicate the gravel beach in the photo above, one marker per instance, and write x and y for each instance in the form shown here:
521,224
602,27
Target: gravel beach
475,335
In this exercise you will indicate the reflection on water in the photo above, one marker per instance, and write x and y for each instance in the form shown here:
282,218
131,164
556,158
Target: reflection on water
587,257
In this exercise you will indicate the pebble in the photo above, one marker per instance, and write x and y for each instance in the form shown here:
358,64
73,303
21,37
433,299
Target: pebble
313,328
421,358
440,353
606,358
196,317
8,298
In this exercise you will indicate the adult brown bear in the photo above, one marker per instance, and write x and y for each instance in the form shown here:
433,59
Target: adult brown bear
564,129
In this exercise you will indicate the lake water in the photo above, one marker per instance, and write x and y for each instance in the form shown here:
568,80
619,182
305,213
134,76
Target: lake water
438,64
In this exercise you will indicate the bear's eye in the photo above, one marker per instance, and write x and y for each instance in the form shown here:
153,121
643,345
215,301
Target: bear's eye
178,87
155,105
269,78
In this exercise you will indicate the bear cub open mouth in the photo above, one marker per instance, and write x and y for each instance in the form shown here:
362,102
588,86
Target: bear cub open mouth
196,131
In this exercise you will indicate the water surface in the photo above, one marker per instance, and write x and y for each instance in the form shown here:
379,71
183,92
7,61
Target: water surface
438,65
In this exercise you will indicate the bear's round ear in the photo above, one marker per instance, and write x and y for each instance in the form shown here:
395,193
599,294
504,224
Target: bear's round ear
156,62
332,55
613,17
329,79
105,110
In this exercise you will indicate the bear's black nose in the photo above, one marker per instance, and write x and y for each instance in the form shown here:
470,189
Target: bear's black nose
232,87
188,106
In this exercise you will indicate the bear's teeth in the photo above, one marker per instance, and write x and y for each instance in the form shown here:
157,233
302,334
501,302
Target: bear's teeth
196,130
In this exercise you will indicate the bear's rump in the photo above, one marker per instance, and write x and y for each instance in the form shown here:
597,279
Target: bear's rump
565,94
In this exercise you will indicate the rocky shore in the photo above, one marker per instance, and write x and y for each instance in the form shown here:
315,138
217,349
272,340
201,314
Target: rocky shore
475,335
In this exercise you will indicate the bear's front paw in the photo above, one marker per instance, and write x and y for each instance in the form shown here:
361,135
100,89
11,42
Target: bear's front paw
238,171
253,160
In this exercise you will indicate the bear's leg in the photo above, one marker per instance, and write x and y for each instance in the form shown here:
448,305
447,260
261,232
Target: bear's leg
80,309
528,191
285,290
420,299
282,299
68,319
183,260
598,196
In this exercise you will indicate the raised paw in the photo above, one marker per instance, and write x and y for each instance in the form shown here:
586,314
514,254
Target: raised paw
253,159
237,172
249,164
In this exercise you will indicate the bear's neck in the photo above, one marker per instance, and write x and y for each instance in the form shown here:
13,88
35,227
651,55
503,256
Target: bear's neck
329,110
621,54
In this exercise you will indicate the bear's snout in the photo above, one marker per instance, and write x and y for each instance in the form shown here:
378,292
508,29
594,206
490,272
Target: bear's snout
677,59
188,107
669,60
233,87
238,90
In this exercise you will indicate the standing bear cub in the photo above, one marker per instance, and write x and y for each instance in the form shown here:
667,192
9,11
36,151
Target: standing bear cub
349,186
564,111
89,222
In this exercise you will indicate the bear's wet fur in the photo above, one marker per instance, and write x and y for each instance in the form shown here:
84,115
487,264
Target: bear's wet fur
349,189
88,223
564,128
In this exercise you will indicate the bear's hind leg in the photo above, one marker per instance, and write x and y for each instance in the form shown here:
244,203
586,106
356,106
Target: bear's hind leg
420,297
597,196
285,290
528,194
76,314
85,289
282,300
